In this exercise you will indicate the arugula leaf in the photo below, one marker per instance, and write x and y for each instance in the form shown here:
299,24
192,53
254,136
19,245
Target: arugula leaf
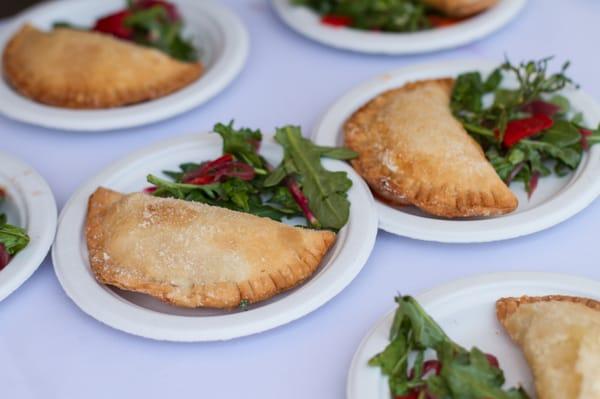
153,27
461,374
562,134
537,92
242,144
12,237
325,190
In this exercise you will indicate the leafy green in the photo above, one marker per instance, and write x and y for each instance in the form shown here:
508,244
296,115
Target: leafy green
242,143
463,374
152,27
12,237
560,145
325,190
384,15
268,192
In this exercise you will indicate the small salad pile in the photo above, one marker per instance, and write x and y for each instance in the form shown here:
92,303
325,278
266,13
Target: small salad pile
528,131
455,373
242,180
152,23
12,238
386,16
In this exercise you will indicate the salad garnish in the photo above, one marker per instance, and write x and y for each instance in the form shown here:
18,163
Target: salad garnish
455,373
242,180
524,130
12,238
386,16
152,23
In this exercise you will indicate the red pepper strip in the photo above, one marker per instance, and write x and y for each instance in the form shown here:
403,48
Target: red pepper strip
238,169
493,360
4,256
519,129
541,107
437,21
207,167
584,135
533,182
301,200
200,180
114,24
150,190
336,20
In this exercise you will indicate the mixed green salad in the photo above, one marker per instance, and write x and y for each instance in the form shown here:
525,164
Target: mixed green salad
12,238
528,131
152,23
379,15
454,373
242,180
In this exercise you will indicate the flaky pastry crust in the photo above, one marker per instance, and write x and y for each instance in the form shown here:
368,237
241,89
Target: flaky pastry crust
560,337
195,255
80,69
460,8
413,151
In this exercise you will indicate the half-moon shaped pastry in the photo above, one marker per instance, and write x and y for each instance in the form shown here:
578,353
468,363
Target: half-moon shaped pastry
560,337
460,8
413,151
195,255
80,69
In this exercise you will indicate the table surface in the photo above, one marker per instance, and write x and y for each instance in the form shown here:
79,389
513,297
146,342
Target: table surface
50,349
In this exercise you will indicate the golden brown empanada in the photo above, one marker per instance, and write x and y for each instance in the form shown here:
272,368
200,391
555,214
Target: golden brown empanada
413,151
560,336
81,69
460,8
195,255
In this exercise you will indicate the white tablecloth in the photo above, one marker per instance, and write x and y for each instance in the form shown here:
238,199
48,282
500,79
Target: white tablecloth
50,349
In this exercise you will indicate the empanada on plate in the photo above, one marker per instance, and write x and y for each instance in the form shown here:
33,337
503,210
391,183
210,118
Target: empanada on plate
460,8
413,151
195,255
560,337
80,69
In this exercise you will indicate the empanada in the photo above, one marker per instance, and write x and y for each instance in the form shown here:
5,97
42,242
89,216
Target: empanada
413,151
460,8
195,255
80,69
560,336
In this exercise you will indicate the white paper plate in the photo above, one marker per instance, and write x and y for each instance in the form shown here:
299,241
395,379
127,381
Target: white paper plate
219,34
465,309
142,315
555,200
307,22
29,204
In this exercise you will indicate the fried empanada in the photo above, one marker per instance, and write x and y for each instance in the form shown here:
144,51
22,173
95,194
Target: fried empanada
196,255
413,151
560,337
460,8
80,69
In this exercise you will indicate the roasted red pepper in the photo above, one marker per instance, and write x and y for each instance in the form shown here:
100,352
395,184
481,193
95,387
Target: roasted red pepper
584,135
336,20
520,129
114,24
541,107
214,171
